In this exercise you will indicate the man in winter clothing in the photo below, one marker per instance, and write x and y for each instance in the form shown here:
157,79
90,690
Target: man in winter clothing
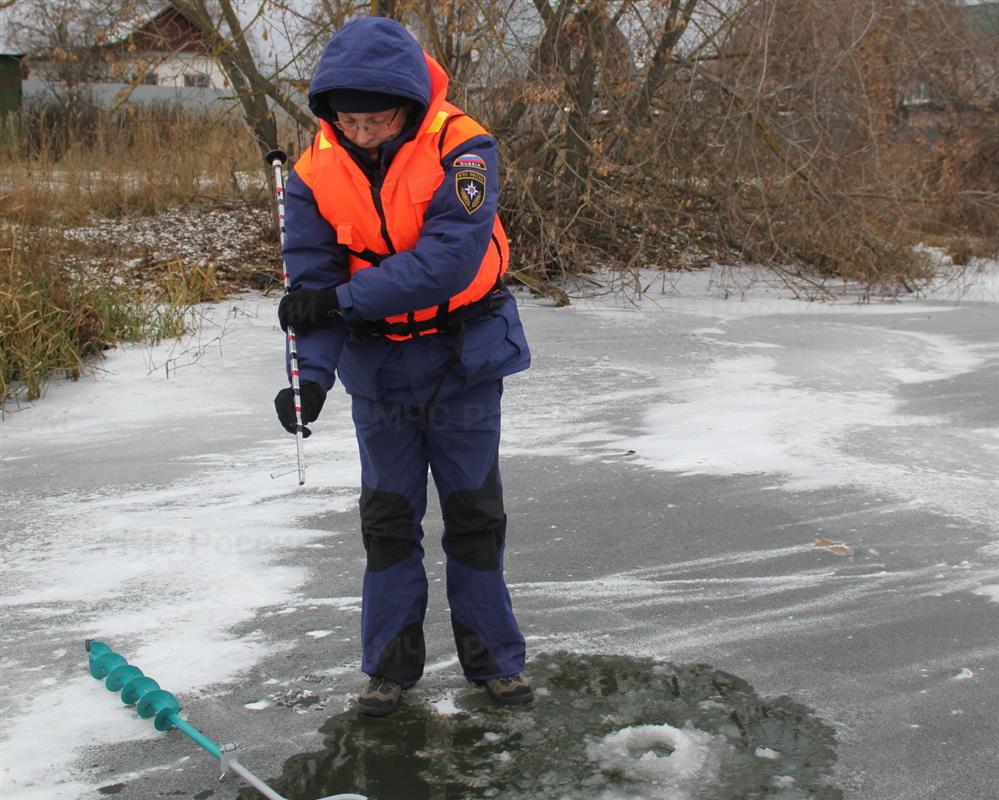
395,256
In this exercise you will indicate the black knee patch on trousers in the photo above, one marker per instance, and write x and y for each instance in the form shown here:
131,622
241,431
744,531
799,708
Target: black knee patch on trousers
475,525
386,528
476,659
403,658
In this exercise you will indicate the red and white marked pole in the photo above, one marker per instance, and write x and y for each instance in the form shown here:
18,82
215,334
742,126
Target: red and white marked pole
276,159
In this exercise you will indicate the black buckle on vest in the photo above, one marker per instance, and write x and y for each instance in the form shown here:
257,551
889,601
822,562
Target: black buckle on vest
443,321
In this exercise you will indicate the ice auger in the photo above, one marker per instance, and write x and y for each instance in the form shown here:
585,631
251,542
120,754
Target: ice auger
151,701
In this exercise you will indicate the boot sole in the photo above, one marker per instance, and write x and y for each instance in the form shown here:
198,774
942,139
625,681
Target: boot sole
369,711
521,700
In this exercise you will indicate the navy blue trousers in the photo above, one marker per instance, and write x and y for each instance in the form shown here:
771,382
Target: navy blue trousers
459,443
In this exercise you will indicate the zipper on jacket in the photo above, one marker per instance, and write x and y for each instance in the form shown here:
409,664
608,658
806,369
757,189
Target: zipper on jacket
376,196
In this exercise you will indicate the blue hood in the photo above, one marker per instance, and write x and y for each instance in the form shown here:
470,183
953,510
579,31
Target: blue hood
374,54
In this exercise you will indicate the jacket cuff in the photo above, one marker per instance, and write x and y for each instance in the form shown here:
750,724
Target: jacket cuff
346,300
323,378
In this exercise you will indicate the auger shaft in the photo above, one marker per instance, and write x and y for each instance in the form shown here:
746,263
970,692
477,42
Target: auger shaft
196,736
231,764
152,701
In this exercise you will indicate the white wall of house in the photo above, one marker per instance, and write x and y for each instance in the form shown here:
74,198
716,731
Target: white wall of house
189,69
109,95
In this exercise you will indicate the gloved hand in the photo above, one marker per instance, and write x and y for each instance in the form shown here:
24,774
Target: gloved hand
313,397
304,309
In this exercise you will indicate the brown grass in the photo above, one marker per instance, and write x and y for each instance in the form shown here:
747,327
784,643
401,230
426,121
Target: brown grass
71,166
64,301
58,313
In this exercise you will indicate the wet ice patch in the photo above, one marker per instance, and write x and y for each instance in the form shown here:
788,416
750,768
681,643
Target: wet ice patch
662,757
601,728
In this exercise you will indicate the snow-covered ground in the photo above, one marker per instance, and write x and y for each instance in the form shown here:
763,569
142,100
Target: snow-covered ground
802,494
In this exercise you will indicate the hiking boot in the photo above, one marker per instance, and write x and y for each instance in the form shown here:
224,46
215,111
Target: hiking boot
380,697
510,690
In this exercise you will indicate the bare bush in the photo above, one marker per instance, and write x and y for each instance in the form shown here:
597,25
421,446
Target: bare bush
791,132
820,136
818,106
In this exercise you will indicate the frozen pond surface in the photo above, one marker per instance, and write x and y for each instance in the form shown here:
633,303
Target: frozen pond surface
801,495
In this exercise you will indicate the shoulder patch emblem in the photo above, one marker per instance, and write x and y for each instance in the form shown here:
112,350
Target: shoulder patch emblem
470,161
470,187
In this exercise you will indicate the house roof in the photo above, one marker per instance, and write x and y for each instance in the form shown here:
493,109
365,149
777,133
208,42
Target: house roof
165,30
983,18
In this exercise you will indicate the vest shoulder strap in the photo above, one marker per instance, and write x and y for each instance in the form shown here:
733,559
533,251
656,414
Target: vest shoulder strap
303,167
458,128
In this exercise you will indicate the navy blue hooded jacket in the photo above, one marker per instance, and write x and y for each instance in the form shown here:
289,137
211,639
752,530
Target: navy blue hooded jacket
378,54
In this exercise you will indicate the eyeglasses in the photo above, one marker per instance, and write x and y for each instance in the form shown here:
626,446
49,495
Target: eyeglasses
373,125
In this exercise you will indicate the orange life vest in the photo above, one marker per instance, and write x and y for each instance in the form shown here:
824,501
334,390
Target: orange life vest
344,196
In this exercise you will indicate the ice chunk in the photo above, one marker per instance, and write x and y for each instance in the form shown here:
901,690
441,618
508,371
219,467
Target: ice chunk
445,705
679,760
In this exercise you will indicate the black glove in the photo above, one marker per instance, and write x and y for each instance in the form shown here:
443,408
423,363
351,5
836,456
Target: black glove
313,397
304,309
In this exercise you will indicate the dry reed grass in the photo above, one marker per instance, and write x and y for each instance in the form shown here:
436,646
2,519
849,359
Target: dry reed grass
64,301
68,167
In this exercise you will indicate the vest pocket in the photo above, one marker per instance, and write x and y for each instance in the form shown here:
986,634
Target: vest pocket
422,187
344,233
